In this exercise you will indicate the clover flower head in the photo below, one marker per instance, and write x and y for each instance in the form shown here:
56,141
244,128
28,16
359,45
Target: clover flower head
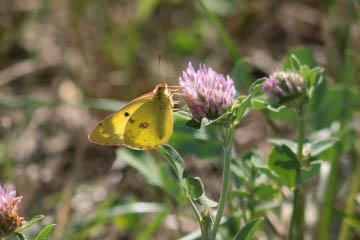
9,206
285,86
206,92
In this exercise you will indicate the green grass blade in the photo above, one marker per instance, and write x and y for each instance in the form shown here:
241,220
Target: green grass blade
153,226
45,233
222,32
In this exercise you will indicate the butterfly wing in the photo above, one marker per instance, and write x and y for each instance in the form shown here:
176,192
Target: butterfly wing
152,124
110,131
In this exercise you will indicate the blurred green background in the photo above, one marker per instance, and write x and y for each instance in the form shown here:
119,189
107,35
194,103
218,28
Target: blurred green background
66,64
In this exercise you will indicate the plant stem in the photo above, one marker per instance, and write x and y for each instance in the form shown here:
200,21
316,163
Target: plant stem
355,186
300,221
197,213
297,218
228,139
252,202
344,232
293,216
326,210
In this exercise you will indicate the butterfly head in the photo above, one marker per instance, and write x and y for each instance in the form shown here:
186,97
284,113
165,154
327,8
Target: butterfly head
162,90
164,94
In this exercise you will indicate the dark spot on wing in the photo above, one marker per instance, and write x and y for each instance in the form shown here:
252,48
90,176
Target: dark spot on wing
144,125
131,120
126,114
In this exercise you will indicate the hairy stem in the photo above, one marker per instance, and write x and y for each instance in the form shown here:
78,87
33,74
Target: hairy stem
297,218
228,139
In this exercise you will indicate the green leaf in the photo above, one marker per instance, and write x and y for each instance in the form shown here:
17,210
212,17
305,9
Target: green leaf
247,232
242,169
290,144
205,201
143,162
193,124
284,163
314,76
318,146
241,98
298,55
240,107
313,148
225,119
276,109
183,115
241,104
44,234
304,71
30,223
282,113
175,161
258,104
238,168
266,191
307,174
313,79
192,186
20,236
195,188
259,163
302,60
257,160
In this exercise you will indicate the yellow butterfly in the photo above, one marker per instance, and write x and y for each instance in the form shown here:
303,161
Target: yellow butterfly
144,123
